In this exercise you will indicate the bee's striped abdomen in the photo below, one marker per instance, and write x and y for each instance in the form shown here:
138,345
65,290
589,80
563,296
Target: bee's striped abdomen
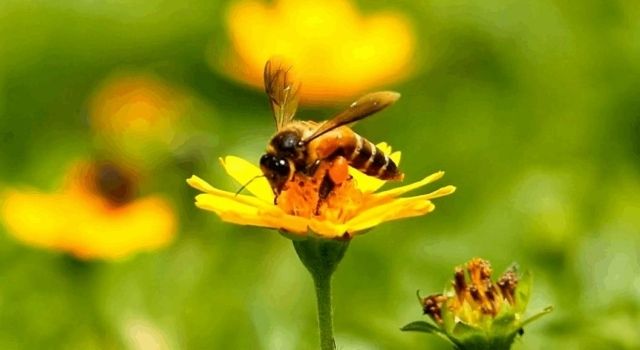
369,159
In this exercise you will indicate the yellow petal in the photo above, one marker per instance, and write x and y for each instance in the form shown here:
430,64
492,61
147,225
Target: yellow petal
396,209
263,221
441,192
384,147
240,213
94,229
327,229
245,173
395,156
220,204
398,191
365,183
203,186
34,218
111,233
199,184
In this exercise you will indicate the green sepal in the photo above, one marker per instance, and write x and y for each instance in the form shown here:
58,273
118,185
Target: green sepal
426,327
320,256
421,326
523,291
505,322
482,342
536,316
292,236
463,331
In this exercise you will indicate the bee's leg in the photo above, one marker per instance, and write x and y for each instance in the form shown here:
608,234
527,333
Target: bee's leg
339,170
334,175
326,186
311,169
276,194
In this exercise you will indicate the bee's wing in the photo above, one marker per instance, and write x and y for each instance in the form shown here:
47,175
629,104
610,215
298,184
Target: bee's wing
282,91
360,109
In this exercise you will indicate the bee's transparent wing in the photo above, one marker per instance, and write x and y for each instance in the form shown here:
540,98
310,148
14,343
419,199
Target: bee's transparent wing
360,109
282,90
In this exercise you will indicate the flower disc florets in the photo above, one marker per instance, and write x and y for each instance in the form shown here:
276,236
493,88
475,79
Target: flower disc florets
476,297
477,312
301,197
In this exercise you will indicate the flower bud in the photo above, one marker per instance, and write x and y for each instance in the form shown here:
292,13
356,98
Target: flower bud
476,312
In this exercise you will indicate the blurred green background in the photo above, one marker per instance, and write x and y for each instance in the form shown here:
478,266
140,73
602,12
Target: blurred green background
532,109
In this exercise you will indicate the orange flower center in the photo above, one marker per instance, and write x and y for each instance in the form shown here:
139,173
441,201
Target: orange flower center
114,184
321,196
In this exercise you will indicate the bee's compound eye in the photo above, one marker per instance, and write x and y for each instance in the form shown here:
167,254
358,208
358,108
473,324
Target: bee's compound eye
275,165
264,160
281,167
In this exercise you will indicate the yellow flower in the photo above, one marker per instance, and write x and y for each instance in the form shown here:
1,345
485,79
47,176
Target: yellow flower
338,52
138,118
135,106
351,208
94,216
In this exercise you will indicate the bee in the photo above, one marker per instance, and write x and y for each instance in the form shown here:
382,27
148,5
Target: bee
301,147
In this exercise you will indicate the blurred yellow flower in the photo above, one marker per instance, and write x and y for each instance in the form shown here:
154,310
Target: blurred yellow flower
135,106
338,52
351,208
138,118
94,216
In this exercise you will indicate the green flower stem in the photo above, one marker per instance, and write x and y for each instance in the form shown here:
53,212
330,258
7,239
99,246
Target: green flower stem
325,312
321,258
84,280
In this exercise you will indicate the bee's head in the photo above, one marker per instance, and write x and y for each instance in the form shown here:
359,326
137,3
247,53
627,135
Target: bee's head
287,144
277,170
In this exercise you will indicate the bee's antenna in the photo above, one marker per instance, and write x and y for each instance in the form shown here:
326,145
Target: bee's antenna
247,184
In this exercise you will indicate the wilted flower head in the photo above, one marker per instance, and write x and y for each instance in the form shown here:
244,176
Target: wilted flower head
476,312
95,215
338,51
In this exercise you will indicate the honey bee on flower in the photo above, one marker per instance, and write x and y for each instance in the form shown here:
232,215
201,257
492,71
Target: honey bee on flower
317,184
322,151
317,178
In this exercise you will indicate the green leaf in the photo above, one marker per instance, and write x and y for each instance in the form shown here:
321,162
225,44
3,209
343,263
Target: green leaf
425,327
523,291
421,326
448,316
545,311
